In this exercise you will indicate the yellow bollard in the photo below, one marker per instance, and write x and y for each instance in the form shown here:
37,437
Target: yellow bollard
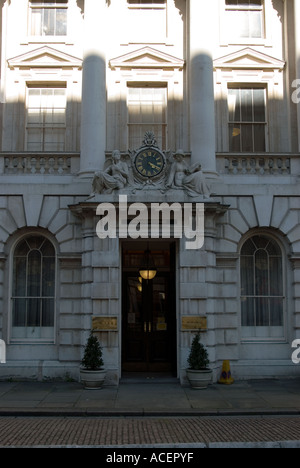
226,377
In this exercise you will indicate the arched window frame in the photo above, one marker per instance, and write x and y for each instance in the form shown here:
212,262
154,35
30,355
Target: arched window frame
32,333
264,332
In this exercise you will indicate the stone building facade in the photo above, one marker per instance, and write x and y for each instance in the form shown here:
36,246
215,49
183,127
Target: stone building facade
215,81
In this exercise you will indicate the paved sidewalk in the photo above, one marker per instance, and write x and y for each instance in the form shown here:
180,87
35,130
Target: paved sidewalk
256,397
184,433
264,414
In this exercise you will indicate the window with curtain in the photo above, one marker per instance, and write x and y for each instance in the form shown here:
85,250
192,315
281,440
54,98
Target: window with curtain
245,19
147,111
48,18
46,118
262,289
33,290
247,119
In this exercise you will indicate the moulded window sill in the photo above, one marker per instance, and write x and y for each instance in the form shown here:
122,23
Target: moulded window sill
48,39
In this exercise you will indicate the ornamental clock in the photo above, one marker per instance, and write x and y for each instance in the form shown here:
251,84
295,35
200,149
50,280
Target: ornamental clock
149,163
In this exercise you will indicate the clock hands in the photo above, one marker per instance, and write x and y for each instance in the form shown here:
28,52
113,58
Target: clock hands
154,166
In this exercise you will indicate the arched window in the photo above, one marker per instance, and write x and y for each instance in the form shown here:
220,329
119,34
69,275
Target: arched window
262,289
33,290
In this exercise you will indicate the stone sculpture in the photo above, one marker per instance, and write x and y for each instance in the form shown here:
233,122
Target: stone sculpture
188,178
180,175
115,177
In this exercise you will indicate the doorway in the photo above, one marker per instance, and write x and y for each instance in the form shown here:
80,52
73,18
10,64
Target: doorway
149,313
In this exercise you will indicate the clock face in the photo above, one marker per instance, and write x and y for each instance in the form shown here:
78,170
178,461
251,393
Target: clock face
149,163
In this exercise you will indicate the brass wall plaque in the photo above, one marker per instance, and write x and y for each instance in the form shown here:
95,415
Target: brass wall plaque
105,324
191,322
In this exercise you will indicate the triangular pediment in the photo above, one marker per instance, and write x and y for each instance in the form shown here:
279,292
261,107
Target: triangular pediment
45,57
147,57
248,58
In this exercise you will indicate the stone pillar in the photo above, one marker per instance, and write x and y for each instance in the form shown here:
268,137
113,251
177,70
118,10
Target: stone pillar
297,50
93,114
202,18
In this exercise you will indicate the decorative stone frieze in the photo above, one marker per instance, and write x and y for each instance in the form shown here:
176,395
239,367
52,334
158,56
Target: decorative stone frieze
152,169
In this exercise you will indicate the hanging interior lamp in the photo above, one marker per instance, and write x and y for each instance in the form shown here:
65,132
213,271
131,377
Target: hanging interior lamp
148,270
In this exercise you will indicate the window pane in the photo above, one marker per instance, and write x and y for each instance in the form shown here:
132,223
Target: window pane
54,139
47,313
259,105
61,22
247,276
247,138
260,242
19,313
246,105
276,277
49,22
241,22
262,312
259,138
235,138
261,273
34,312
35,242
248,315
59,98
36,22
255,24
19,282
48,279
248,248
276,308
234,105
34,274
34,142
47,249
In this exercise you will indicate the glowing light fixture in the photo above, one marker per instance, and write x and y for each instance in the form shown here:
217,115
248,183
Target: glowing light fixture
148,270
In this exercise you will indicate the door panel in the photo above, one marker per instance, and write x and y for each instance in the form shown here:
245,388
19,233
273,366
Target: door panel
149,324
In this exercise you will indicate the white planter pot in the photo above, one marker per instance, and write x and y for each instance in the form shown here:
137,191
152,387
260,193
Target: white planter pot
199,379
92,379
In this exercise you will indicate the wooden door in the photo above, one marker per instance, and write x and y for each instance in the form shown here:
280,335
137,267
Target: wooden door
149,324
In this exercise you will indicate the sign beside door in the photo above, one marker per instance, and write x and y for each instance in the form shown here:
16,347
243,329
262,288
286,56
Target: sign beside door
105,324
193,323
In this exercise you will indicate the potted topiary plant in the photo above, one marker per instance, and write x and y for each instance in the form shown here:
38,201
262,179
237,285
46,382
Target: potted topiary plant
92,374
199,375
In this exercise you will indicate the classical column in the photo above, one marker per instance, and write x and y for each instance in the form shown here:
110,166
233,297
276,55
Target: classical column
297,50
93,114
202,18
